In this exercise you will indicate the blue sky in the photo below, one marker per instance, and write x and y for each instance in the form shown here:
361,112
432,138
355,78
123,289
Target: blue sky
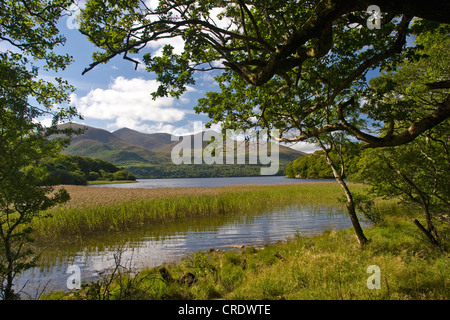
115,95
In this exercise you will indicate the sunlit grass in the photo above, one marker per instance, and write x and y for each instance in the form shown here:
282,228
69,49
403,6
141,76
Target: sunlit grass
331,265
113,209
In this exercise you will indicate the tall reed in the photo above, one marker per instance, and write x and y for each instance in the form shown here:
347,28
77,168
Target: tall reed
113,213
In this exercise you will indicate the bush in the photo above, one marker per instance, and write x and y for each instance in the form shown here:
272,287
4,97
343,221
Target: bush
123,174
93,176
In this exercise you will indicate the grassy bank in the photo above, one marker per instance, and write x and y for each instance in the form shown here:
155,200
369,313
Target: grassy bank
327,266
94,210
99,182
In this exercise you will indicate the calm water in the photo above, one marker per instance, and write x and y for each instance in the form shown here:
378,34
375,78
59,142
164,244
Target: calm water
209,182
160,244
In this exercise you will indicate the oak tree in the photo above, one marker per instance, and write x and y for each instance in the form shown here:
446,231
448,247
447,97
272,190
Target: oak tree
300,67
28,35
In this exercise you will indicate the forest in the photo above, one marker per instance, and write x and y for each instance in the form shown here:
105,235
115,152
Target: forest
77,170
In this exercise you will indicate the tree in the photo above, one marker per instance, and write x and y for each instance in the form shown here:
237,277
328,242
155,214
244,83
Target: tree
300,67
29,29
418,172
21,197
283,45
314,165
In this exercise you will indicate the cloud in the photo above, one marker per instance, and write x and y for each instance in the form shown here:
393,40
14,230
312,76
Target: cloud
157,46
302,146
222,22
128,102
45,122
151,4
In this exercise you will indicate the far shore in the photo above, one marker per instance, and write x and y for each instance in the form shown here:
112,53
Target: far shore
106,209
97,182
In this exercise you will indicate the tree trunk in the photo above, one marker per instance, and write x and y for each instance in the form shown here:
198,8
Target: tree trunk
351,210
8,291
428,234
350,203
431,229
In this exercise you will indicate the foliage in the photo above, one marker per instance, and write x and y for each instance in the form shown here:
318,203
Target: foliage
424,163
29,35
418,172
314,166
21,197
77,170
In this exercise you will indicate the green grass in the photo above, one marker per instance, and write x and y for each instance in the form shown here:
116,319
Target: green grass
323,267
331,265
75,220
109,182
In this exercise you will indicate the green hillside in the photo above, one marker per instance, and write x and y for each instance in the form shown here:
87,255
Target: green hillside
149,155
314,165
77,170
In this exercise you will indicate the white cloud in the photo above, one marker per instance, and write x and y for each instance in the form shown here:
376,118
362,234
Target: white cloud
151,4
189,127
157,46
302,146
45,122
222,22
186,129
128,102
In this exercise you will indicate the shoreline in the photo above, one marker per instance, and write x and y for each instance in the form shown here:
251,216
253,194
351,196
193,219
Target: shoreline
329,265
107,209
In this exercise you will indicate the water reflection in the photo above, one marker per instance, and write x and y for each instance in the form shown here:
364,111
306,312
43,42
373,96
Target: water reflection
156,245
209,182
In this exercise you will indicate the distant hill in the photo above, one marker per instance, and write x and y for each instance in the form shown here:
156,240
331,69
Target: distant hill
156,141
149,155
102,144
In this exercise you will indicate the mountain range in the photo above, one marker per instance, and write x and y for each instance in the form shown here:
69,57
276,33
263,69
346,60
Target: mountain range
149,155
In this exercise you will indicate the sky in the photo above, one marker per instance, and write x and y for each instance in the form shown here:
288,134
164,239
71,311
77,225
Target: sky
116,95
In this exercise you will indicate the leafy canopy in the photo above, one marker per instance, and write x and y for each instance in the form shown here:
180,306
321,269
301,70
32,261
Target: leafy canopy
28,35
300,67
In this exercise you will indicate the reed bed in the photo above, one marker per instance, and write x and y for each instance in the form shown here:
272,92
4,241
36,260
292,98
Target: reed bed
93,210
331,265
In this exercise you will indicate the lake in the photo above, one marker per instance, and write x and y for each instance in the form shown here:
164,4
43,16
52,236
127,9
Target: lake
154,246
208,182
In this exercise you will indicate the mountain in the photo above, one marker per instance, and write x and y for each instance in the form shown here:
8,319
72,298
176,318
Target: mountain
156,141
102,144
149,155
